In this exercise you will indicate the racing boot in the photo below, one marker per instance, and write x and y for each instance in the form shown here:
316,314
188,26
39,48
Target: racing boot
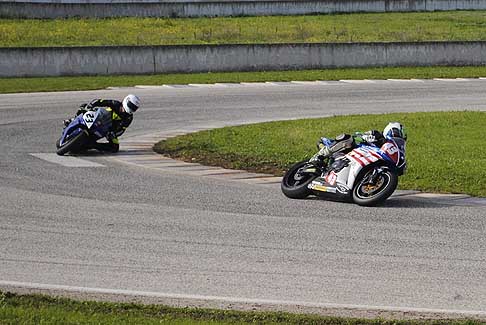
324,152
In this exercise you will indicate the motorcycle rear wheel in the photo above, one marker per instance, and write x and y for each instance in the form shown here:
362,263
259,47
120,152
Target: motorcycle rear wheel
366,194
294,185
73,144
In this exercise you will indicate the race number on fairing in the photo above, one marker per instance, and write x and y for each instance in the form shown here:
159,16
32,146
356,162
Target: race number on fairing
391,150
89,118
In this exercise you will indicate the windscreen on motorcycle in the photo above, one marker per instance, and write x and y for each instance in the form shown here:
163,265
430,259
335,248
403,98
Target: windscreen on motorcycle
401,144
104,117
102,123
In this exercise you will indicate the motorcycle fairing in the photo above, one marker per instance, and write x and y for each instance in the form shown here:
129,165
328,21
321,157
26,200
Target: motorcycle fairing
320,184
98,122
399,158
331,183
74,128
341,182
322,188
102,123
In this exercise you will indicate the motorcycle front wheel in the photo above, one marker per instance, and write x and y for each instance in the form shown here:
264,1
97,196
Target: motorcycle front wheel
73,144
295,181
374,185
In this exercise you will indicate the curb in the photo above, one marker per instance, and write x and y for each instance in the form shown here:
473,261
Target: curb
137,150
343,82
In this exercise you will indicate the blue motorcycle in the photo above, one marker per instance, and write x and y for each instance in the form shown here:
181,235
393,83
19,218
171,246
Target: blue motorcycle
83,131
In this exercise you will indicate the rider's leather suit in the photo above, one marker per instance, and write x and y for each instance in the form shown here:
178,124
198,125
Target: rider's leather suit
120,121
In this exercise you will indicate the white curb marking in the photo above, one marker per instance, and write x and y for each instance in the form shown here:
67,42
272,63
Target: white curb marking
293,82
203,85
406,80
227,84
309,83
151,86
365,81
257,84
66,161
450,79
178,86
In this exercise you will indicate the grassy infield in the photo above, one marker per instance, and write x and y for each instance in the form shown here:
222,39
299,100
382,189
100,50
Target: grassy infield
445,150
429,167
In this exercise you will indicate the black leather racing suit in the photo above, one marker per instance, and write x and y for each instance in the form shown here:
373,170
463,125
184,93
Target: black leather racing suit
120,121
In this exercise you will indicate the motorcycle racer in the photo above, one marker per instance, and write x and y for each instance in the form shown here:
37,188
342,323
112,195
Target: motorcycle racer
344,143
362,168
122,116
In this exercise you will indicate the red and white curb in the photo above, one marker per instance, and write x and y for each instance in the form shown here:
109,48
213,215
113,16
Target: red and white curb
138,150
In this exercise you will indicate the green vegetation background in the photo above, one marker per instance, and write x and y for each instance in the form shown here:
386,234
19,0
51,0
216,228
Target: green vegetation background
359,27
445,150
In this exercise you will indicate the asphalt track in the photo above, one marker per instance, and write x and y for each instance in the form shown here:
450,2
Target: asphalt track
124,231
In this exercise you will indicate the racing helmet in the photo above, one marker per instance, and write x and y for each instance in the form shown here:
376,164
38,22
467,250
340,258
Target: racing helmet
395,130
131,103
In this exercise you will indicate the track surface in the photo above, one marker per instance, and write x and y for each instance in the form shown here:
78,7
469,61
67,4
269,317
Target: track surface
130,228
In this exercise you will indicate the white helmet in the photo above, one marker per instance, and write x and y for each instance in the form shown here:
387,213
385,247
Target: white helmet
131,103
395,130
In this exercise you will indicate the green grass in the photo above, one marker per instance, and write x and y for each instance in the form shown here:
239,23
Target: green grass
37,309
454,25
445,150
11,85
359,27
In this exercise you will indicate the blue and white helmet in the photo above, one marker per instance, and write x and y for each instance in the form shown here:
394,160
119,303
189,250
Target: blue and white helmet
131,103
395,130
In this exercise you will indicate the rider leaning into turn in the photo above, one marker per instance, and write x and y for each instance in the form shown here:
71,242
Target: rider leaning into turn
346,142
122,116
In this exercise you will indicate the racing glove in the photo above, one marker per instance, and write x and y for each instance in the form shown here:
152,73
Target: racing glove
83,108
373,137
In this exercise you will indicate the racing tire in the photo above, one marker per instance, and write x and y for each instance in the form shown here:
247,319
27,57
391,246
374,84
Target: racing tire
74,144
297,188
389,180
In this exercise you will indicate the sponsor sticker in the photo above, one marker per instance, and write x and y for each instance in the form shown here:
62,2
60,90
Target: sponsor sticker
331,178
322,188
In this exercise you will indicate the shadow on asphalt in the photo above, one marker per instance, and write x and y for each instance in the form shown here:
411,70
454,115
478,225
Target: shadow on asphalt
92,153
414,203
408,201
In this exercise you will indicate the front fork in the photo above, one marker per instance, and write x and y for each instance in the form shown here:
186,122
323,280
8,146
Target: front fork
374,176
315,167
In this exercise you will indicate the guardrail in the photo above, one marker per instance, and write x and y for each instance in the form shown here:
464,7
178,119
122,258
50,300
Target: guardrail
212,8
112,60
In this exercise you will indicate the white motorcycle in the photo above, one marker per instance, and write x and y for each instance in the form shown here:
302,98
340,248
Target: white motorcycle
361,173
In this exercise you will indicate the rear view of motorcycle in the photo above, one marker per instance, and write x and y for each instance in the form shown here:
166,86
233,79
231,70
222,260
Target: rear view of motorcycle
362,173
83,130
